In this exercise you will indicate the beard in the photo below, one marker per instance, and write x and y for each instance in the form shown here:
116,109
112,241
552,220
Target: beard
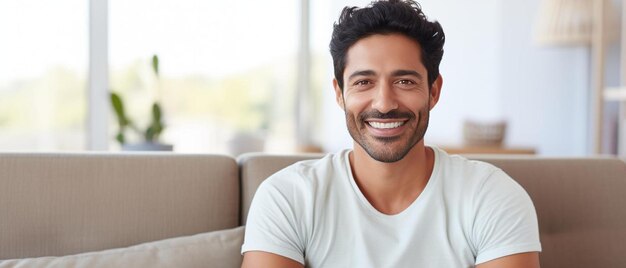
388,149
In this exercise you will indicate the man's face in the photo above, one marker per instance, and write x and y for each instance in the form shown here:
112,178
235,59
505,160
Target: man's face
386,97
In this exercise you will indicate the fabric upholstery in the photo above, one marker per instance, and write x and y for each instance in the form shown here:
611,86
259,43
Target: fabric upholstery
60,204
218,249
579,203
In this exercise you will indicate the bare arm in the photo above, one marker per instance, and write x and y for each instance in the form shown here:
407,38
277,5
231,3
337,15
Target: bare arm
253,259
522,260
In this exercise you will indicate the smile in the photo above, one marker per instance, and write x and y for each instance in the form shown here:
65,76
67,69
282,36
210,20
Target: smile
386,125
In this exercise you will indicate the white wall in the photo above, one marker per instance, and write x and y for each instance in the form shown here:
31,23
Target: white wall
493,70
545,90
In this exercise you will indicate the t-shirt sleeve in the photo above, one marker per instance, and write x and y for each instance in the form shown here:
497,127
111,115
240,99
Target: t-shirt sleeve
272,225
505,222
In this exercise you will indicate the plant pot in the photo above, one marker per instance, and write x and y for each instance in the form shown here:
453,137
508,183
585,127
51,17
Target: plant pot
147,146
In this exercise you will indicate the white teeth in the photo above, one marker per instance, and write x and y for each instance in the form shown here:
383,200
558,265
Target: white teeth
385,125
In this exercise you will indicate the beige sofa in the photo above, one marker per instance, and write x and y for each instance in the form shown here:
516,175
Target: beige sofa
173,210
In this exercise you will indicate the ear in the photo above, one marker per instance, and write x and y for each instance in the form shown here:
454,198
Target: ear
339,95
435,91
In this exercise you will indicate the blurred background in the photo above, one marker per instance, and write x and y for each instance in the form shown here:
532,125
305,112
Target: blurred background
239,76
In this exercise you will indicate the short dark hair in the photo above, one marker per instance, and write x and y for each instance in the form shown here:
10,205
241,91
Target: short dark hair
387,17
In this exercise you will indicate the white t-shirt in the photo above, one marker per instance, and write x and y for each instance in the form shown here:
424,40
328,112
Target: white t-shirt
469,212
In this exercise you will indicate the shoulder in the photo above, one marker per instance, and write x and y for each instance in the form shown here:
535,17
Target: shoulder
499,214
462,164
465,173
308,175
478,181
282,209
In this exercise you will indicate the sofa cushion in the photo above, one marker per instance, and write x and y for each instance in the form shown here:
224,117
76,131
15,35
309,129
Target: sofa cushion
55,204
213,249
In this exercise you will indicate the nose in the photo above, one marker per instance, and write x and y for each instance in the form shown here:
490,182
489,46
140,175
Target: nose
384,99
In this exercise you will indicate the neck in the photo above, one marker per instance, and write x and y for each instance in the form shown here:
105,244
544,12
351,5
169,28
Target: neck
392,187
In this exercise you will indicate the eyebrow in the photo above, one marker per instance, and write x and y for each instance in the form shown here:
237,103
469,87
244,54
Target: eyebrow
362,73
406,72
394,73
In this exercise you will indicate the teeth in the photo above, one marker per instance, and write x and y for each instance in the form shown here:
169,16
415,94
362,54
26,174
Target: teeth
386,125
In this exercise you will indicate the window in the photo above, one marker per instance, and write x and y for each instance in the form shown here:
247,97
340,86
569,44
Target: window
43,75
228,69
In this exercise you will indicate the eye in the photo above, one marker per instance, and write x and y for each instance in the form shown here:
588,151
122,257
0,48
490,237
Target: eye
362,83
405,82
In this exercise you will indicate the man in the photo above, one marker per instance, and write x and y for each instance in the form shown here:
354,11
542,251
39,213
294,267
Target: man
391,201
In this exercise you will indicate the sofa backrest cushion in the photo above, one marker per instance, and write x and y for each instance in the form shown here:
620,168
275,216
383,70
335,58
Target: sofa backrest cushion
61,204
579,203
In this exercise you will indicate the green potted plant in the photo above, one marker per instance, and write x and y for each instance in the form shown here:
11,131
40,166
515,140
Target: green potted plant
151,133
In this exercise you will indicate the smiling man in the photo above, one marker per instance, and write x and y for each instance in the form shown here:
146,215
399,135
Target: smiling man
391,201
